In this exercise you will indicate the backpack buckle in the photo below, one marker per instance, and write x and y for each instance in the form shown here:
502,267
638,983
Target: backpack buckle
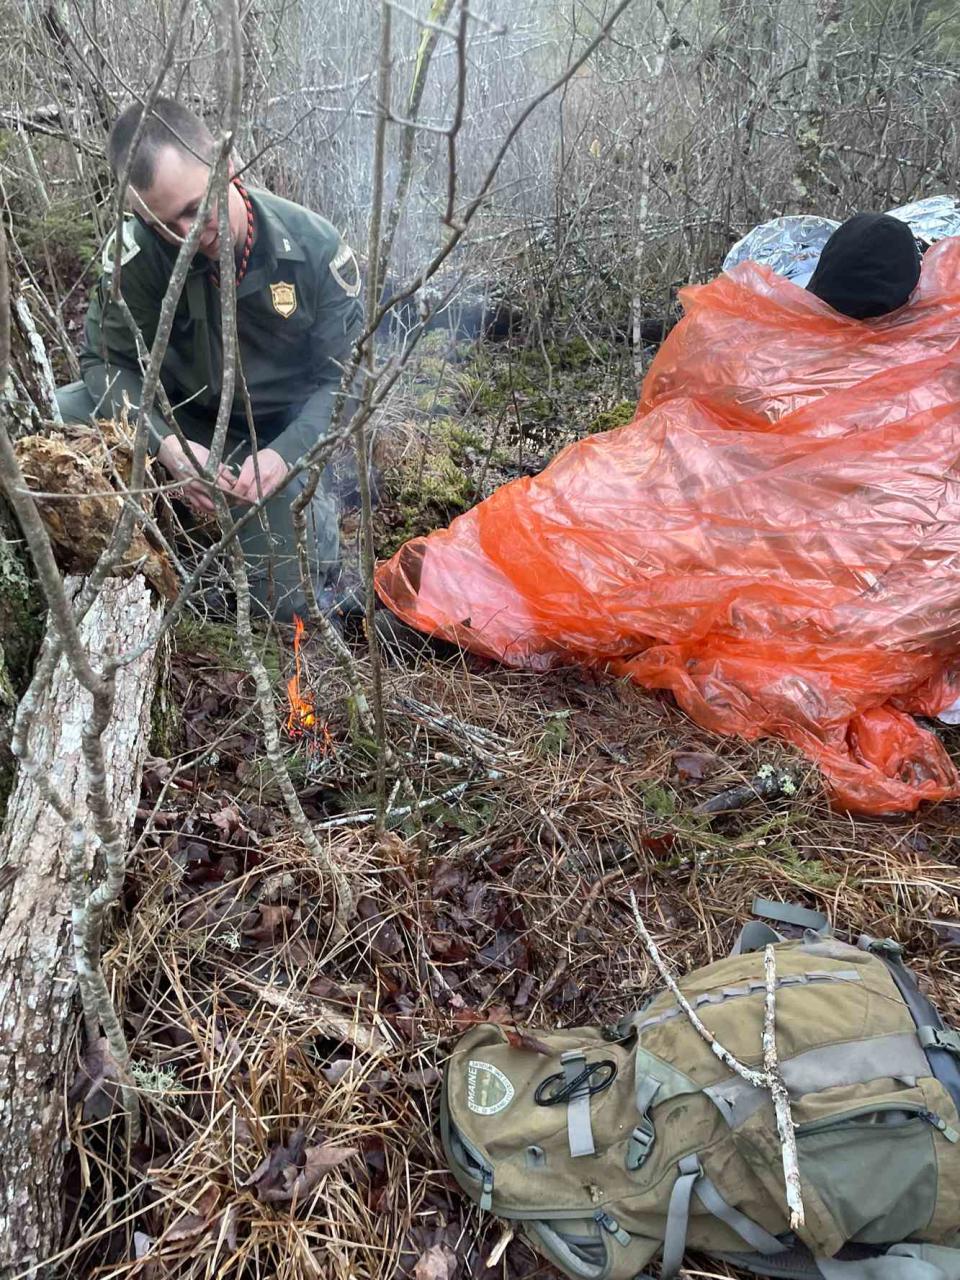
614,1032
880,946
640,1144
939,1038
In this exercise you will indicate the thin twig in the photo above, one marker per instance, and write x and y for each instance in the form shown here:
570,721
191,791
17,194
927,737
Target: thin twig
368,556
757,1078
778,1089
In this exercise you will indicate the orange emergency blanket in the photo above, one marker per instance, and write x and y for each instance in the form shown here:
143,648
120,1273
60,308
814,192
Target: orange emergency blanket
775,537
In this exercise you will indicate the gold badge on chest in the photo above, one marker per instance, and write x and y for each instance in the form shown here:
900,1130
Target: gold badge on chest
284,299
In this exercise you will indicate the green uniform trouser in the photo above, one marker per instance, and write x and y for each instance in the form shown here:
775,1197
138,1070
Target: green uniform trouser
268,540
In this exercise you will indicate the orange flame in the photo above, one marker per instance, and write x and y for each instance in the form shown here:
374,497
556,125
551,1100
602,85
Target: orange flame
303,714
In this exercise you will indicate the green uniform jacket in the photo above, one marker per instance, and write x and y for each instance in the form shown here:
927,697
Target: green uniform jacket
298,313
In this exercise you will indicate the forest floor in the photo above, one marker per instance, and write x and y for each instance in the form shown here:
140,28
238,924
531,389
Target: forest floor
291,1084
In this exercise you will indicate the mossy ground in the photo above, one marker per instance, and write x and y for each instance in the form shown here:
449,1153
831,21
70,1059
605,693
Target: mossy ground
474,417
220,640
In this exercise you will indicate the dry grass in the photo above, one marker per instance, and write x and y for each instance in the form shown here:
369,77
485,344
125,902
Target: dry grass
290,1086
252,1032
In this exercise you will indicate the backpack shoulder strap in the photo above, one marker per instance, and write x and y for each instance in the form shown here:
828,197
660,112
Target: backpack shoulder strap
789,913
900,1262
691,1180
755,934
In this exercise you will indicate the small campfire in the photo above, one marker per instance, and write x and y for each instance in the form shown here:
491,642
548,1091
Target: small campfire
302,719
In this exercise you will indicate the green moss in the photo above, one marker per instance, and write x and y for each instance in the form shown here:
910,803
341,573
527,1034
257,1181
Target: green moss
522,378
220,640
659,800
617,416
555,734
432,487
8,776
468,816
460,438
21,616
21,631
576,354
165,725
812,872
481,393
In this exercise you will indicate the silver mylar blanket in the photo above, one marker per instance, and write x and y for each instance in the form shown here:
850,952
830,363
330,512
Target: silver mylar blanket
791,246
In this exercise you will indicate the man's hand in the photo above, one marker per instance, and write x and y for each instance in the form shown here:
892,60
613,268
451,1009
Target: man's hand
195,492
273,472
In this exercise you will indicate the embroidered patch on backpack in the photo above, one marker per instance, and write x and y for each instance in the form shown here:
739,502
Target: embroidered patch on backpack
488,1089
284,299
344,269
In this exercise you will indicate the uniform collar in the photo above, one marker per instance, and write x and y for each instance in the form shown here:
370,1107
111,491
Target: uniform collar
275,242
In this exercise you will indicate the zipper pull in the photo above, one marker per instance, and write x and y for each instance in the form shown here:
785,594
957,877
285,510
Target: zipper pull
486,1191
613,1227
941,1125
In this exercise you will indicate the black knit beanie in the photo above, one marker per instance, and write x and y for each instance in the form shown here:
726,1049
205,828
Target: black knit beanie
869,266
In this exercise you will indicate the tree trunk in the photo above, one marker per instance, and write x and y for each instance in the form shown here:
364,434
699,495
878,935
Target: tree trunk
37,984
815,102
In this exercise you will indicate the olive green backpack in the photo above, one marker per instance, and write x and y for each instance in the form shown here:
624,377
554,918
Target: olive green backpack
617,1143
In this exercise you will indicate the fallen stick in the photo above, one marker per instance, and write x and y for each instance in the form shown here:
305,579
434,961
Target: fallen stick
322,1016
364,816
770,1078
757,1078
760,788
778,1089
500,1248
38,984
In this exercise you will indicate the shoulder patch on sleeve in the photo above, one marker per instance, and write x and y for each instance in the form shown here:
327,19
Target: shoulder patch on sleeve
344,269
128,247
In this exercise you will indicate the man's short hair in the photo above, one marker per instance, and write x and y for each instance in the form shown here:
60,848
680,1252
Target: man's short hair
169,124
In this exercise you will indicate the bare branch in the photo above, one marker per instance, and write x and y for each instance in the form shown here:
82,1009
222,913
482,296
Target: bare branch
778,1089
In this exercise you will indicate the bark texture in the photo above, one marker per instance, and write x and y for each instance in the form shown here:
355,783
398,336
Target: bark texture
37,983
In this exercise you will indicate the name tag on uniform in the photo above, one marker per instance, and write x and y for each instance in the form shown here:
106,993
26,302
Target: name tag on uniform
284,299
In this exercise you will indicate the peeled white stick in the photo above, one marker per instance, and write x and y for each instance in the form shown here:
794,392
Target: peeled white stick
757,1078
770,1078
778,1091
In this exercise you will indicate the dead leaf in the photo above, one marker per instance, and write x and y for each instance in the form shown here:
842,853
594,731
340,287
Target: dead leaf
292,1171
142,1244
421,1079
497,1013
190,1225
339,1069
272,923
227,820
317,1162
694,766
947,931
268,1177
447,879
523,1040
438,1263
396,850
524,991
